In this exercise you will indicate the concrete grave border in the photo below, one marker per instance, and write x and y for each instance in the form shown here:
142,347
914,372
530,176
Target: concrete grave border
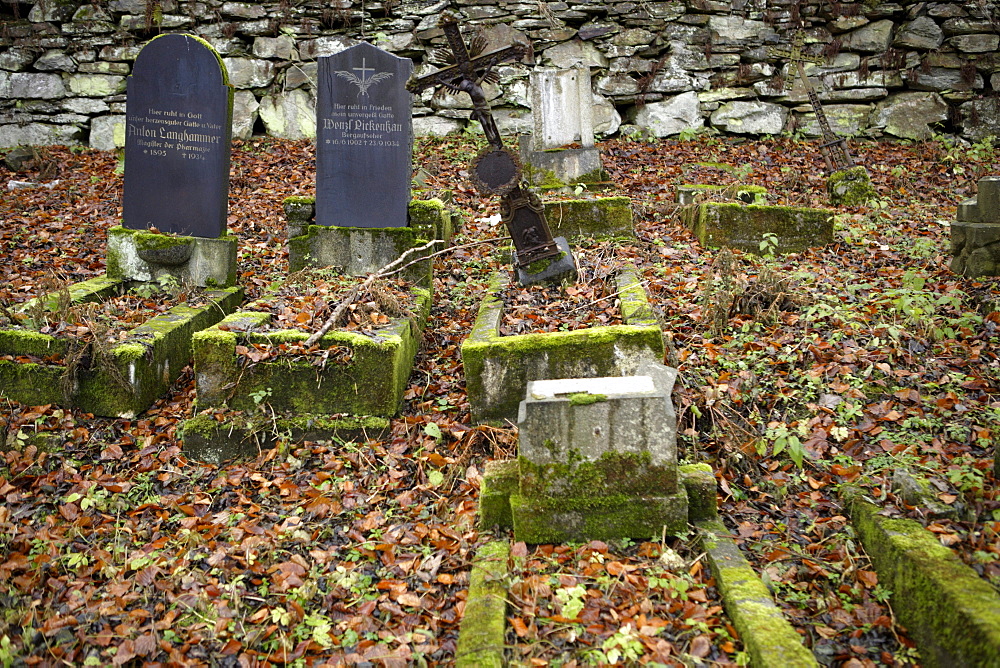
498,368
149,359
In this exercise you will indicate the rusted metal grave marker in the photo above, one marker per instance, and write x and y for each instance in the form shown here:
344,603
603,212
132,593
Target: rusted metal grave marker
497,170
834,147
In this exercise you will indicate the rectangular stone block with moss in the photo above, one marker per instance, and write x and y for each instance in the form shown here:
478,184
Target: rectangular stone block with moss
357,251
951,612
121,380
139,255
498,368
369,380
747,227
598,217
212,441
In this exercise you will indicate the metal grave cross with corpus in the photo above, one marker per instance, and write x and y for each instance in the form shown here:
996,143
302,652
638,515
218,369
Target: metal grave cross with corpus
833,148
496,170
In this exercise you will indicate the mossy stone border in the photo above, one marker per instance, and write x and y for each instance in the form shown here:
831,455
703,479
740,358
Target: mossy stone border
483,627
768,637
498,368
371,383
951,612
149,359
598,217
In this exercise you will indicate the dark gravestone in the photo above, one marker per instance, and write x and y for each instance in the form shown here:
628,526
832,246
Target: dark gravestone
364,137
178,124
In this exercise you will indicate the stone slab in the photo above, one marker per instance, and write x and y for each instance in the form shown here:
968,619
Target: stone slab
598,217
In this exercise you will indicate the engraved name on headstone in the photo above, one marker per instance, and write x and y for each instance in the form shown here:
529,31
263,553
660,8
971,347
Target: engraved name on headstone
364,139
178,125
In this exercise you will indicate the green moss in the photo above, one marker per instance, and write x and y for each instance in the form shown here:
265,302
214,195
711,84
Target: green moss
564,519
298,199
430,219
499,481
952,613
586,398
699,481
481,635
769,639
612,473
27,342
850,187
538,266
601,217
149,241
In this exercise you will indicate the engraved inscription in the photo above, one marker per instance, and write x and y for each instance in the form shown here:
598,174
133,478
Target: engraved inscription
363,125
163,131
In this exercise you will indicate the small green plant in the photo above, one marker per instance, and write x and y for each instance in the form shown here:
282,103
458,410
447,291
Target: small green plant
625,646
768,244
784,437
571,600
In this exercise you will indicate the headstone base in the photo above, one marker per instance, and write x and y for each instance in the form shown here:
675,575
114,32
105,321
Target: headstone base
138,255
597,460
975,235
557,168
358,251
550,270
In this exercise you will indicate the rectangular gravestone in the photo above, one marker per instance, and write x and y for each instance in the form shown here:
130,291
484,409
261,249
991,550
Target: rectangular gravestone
364,137
178,125
562,108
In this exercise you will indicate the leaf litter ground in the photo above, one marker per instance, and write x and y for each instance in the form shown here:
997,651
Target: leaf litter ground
118,549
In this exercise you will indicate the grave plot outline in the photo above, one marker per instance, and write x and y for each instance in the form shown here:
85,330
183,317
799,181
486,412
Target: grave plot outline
364,138
178,130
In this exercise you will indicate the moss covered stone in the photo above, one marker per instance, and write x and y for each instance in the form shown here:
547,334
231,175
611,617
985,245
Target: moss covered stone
430,219
699,481
952,613
138,255
767,636
559,519
850,187
370,383
498,368
499,482
482,630
730,225
122,381
212,441
600,217
612,473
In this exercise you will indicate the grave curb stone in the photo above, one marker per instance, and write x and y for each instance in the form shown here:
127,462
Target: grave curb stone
150,359
143,256
384,362
498,368
768,637
598,217
951,612
721,224
211,441
481,632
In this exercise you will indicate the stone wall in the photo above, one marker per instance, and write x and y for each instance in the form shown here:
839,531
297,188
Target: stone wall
905,69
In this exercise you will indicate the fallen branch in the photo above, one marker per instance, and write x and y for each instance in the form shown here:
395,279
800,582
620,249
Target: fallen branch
388,270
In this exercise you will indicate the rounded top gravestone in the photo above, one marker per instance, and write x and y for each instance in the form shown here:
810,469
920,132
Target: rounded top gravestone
178,128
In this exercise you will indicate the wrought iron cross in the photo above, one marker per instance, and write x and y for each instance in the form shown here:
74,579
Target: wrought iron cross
497,170
834,148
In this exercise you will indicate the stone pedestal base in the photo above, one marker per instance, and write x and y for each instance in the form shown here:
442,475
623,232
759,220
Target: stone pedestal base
975,236
556,168
138,255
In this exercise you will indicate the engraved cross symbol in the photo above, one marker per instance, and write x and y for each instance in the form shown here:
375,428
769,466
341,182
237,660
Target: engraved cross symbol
363,68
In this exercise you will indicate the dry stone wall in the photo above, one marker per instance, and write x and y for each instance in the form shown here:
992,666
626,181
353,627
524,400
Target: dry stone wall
904,69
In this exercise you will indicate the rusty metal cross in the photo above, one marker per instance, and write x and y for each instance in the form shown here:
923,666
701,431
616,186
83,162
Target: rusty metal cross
496,170
833,148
